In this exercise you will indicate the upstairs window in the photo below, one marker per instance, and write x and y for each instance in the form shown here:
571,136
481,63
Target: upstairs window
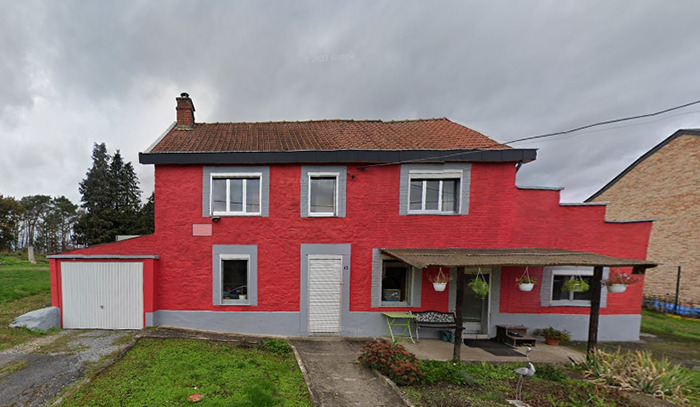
434,189
236,194
323,194
434,195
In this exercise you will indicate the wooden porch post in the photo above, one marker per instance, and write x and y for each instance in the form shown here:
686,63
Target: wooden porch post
595,310
457,355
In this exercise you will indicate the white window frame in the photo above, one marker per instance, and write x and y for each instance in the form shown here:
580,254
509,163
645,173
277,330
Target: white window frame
409,286
223,257
310,176
235,175
440,176
585,272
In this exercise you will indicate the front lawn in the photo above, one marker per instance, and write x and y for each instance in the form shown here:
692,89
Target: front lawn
160,372
24,287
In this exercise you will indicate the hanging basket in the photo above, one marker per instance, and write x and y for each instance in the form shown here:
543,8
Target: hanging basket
439,286
525,282
479,286
575,285
526,287
440,280
617,288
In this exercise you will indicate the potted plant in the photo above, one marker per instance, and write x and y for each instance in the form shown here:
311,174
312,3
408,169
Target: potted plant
618,282
440,280
576,285
526,283
479,286
553,336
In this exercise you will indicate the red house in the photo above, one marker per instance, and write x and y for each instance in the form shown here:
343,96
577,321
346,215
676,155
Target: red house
292,228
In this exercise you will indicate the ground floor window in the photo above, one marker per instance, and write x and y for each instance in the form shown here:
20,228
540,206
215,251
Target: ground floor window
396,282
235,274
558,293
553,294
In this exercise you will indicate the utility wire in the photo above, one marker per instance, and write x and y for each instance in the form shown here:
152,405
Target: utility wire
641,116
559,133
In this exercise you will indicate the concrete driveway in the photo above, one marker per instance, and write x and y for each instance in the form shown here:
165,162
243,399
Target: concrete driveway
36,372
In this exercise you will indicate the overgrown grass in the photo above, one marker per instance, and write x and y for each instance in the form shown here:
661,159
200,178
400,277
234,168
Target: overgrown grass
24,287
671,327
158,372
482,384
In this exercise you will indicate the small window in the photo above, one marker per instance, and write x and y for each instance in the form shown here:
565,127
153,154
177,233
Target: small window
235,195
323,194
558,294
434,195
234,279
396,283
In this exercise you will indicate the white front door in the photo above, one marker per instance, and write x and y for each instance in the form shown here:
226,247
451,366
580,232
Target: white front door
102,295
325,273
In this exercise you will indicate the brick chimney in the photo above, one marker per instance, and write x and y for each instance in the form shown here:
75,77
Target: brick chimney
185,111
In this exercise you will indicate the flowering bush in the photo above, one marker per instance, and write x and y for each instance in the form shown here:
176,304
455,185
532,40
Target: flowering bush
392,360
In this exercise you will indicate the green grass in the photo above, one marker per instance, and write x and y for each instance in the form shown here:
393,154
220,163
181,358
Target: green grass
24,287
158,372
671,327
19,278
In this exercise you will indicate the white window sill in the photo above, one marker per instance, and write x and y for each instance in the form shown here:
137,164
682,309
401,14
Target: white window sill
394,304
235,302
432,213
236,214
322,215
567,303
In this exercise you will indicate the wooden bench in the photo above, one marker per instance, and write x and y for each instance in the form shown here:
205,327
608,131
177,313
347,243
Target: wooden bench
514,335
434,320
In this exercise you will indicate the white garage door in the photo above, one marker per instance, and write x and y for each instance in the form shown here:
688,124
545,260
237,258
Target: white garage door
324,293
103,295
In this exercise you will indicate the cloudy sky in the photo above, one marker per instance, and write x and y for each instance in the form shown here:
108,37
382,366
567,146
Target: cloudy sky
76,73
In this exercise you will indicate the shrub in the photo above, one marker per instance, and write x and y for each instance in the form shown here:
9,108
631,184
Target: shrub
449,372
637,371
277,346
553,333
392,360
551,373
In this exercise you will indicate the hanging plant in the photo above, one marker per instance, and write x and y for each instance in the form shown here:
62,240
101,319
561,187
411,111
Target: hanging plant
440,280
525,282
618,282
479,286
575,285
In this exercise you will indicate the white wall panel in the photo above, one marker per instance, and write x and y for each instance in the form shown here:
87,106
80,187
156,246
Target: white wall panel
103,295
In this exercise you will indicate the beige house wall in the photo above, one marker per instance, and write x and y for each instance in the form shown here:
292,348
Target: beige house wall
665,187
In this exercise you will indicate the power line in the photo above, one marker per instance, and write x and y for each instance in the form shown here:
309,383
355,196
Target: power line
641,116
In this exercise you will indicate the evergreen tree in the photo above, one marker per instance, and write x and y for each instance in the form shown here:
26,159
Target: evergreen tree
145,225
55,234
10,216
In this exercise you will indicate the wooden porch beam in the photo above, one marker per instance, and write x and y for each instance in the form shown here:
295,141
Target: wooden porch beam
595,310
459,318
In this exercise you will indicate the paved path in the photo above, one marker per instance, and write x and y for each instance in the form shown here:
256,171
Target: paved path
337,380
42,368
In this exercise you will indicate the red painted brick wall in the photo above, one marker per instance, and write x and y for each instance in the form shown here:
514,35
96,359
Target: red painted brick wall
500,215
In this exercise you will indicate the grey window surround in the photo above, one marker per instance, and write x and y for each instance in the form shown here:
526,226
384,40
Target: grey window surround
208,171
407,170
376,291
339,171
251,251
548,280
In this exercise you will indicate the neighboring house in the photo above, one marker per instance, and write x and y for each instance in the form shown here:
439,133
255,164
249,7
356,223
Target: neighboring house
664,185
317,227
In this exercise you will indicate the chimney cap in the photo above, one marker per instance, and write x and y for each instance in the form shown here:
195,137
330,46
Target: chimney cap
184,95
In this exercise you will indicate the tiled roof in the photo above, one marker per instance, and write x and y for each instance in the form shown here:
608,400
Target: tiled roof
324,135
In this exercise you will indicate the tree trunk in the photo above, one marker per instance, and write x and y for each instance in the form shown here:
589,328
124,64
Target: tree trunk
30,254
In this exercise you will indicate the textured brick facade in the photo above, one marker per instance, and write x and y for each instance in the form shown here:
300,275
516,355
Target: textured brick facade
665,186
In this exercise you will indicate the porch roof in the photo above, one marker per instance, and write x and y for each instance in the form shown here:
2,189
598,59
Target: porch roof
461,257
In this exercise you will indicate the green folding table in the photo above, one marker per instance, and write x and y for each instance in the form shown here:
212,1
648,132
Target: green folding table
399,320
